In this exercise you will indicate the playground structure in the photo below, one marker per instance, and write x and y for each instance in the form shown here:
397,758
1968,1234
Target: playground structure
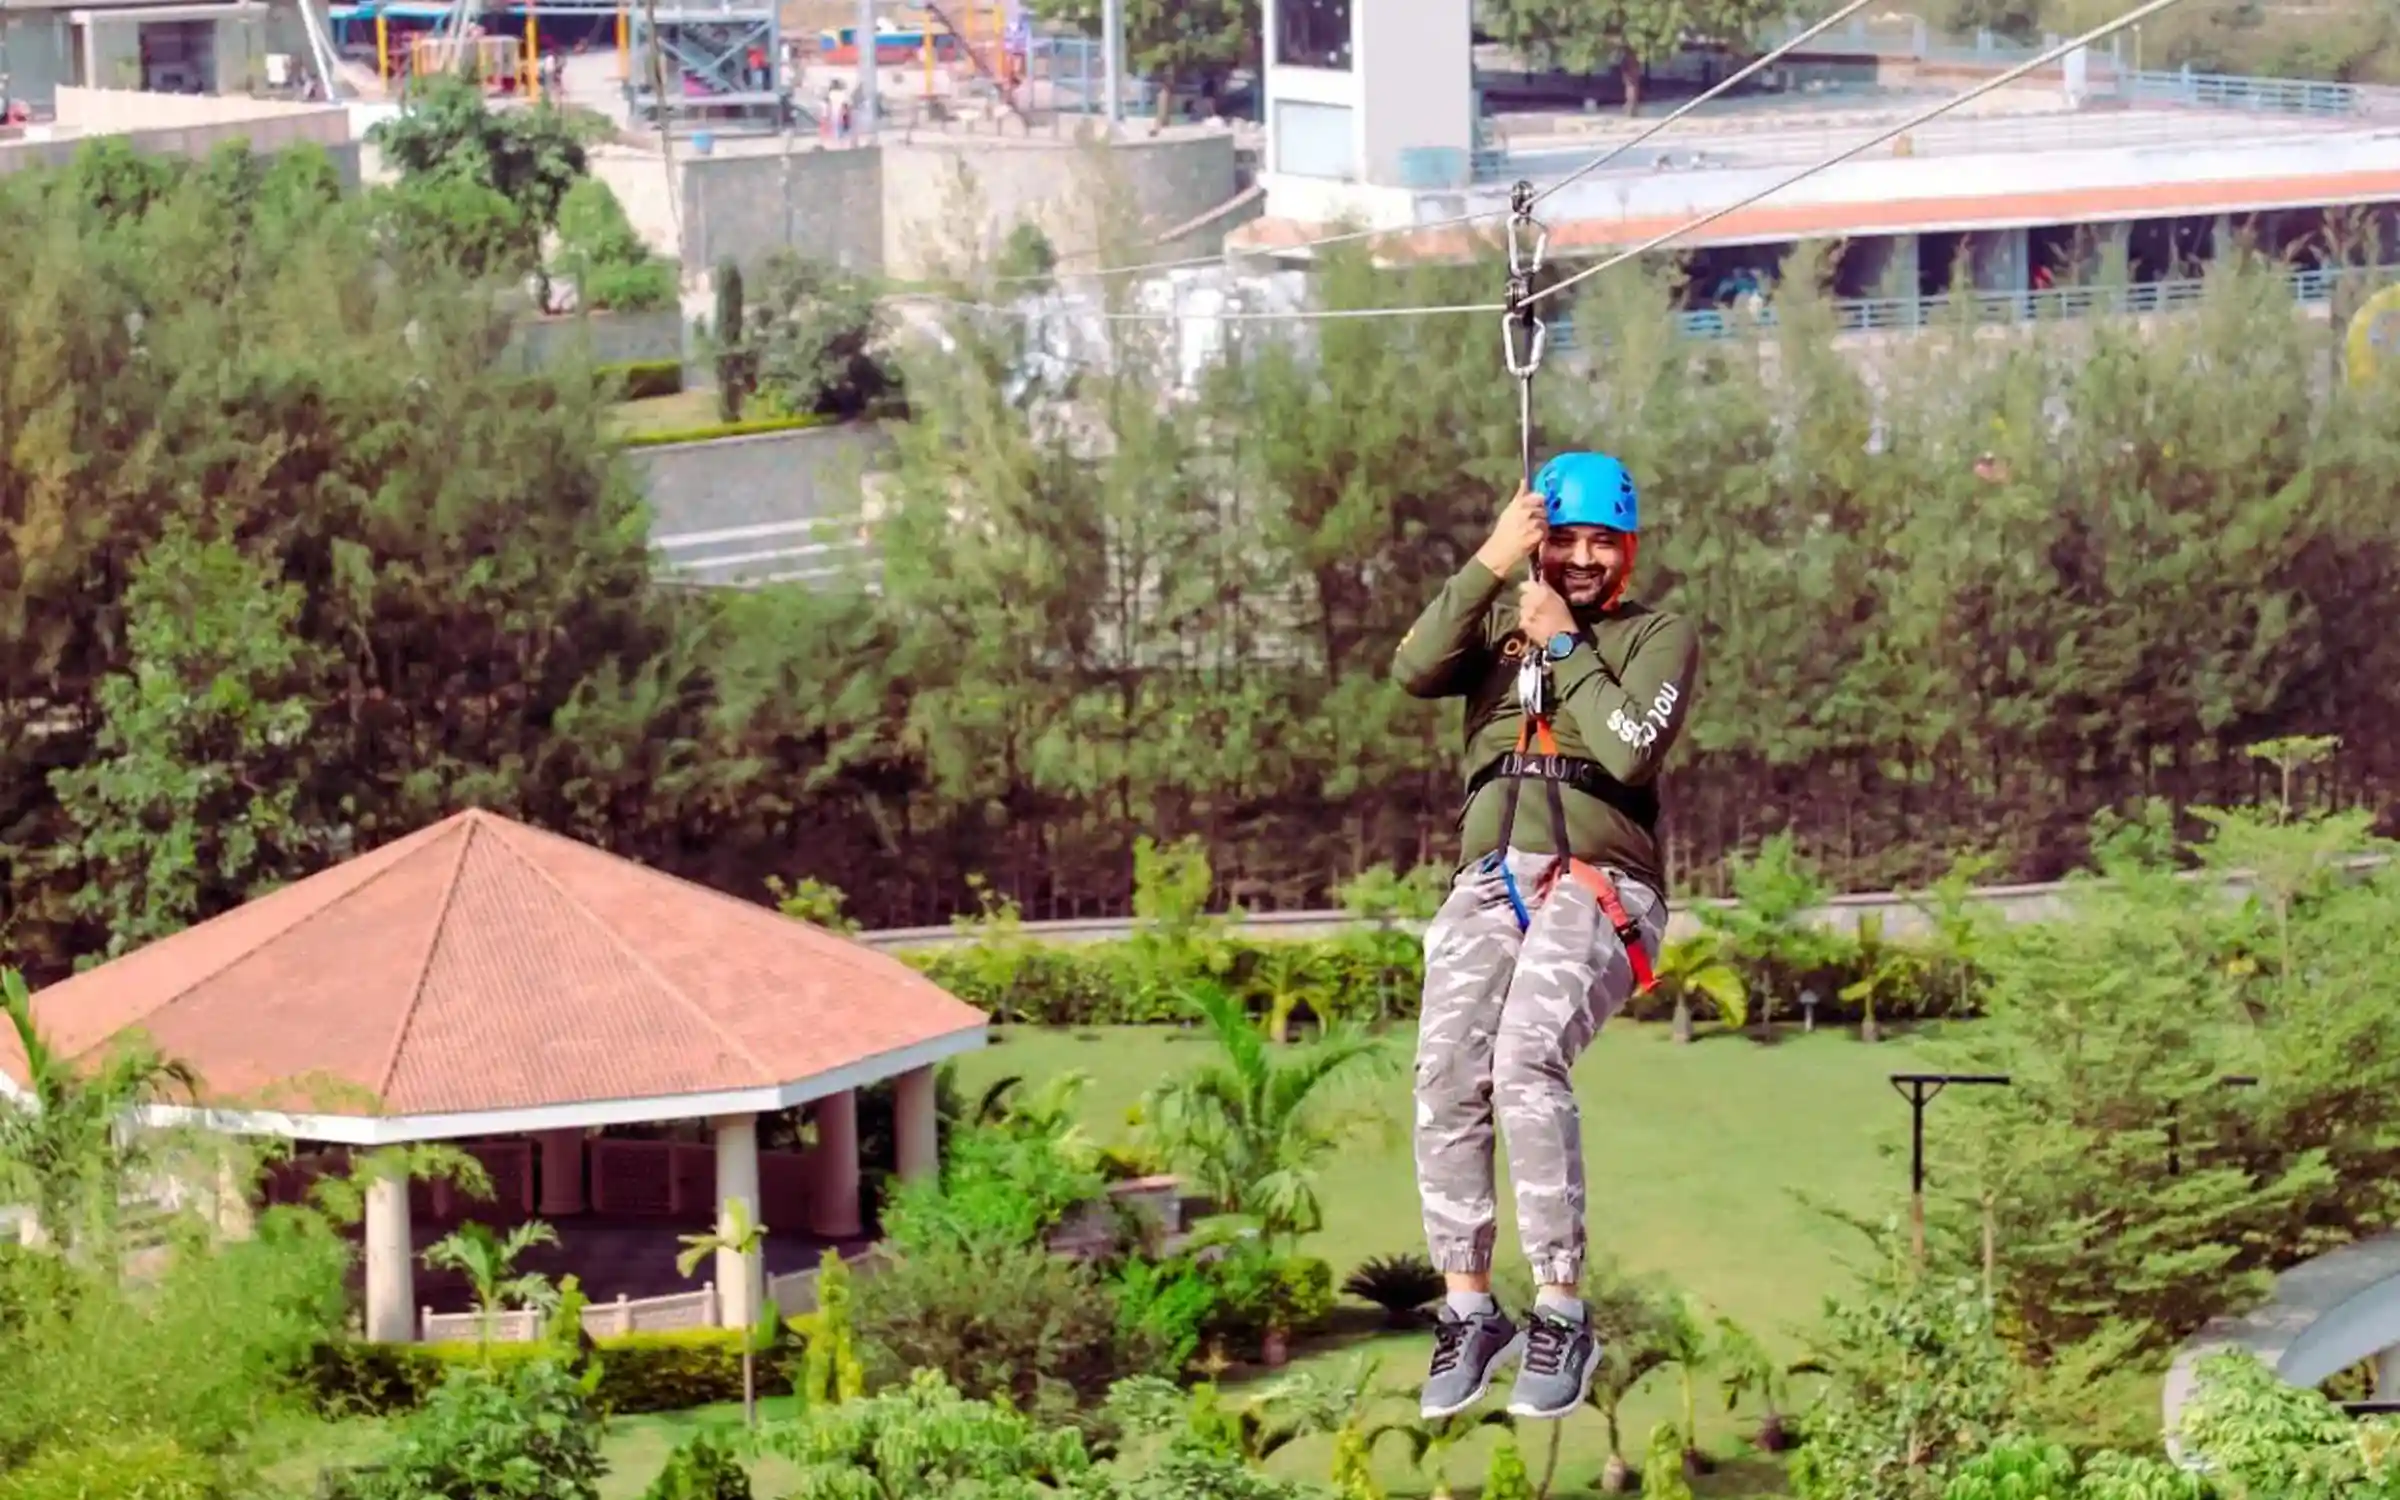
494,61
499,47
714,62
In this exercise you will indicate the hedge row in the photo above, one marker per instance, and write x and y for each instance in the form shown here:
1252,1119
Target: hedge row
641,1372
750,427
1375,977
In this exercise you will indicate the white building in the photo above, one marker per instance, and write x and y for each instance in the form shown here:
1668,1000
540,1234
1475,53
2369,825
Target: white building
1380,93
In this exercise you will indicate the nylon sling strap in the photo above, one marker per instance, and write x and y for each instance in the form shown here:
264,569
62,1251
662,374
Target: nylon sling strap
1535,733
1522,338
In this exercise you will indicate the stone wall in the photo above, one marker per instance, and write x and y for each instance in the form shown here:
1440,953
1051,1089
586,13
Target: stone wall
828,205
902,209
603,338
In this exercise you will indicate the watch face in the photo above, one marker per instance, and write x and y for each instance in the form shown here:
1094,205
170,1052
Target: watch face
1561,644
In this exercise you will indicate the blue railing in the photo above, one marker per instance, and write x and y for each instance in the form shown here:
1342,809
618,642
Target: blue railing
2283,96
1899,314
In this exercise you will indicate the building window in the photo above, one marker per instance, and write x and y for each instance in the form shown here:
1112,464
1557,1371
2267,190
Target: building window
1315,140
1313,34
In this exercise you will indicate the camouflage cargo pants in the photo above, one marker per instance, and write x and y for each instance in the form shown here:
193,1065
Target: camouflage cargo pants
1505,1016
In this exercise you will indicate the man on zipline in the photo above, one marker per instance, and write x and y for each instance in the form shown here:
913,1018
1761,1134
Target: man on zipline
1547,931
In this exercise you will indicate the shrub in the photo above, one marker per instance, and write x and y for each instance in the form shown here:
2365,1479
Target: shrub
926,1439
1361,976
1258,1290
721,430
527,1433
1041,1330
642,1372
1507,1478
644,379
1000,1190
143,1467
1164,1306
830,1371
704,1468
599,248
1399,1284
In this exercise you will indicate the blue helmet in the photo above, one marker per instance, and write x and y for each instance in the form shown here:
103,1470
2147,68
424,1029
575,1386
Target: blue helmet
1589,489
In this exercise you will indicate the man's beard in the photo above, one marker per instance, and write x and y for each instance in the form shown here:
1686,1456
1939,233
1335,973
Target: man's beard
1584,587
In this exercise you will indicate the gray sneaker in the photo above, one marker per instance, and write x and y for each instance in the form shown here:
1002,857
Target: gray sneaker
1561,1357
1467,1353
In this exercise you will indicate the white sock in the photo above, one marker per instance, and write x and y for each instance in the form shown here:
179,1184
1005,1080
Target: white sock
1473,1304
1560,1304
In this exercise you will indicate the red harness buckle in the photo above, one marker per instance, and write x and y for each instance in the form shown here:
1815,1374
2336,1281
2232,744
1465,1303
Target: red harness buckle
1629,932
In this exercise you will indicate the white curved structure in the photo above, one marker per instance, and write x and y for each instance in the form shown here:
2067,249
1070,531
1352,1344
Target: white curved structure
2325,1315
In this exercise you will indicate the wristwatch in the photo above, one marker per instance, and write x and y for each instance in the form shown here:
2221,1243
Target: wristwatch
1562,645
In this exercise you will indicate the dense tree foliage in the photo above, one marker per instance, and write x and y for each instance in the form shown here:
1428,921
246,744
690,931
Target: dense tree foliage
1623,36
290,564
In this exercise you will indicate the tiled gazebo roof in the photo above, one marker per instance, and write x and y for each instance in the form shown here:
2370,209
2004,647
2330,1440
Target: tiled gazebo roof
482,976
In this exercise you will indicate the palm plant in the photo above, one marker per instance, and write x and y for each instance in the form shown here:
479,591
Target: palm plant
1883,969
489,1262
66,1149
1751,1370
1684,1341
1311,1403
1698,967
1432,1444
738,1231
1399,1284
1250,1123
1289,980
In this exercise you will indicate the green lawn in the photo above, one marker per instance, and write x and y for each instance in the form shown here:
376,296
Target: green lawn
1697,1158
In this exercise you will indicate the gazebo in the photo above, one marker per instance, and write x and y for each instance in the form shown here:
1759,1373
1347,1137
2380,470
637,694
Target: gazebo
480,978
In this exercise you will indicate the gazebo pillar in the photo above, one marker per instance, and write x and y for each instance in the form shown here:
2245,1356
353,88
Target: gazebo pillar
2387,1374
833,1182
562,1172
740,1285
917,1125
391,1263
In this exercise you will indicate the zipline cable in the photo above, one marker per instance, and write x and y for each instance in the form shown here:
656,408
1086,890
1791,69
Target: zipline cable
1313,315
1459,221
1998,80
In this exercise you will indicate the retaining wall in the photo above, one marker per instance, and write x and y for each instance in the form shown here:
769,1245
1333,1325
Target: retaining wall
905,209
164,125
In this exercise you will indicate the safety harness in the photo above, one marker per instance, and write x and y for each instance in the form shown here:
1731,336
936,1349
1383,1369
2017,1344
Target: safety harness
1523,336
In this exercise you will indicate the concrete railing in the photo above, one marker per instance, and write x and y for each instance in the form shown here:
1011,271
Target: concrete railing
1902,913
793,1293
